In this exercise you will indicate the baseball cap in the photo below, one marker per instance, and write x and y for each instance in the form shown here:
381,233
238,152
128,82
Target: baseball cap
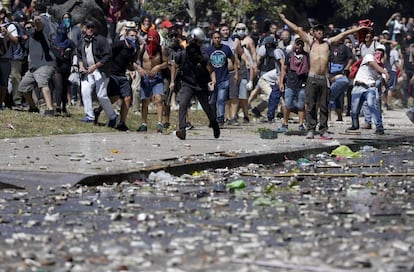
319,26
386,32
380,47
166,24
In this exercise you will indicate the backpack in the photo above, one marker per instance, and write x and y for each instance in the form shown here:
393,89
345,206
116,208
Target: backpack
354,68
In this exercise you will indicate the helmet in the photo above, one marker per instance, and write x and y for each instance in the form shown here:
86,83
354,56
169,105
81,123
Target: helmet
20,16
198,34
380,47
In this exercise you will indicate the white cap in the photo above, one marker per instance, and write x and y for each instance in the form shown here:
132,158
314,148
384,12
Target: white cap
380,47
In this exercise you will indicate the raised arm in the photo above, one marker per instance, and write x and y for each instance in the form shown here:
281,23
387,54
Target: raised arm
342,35
302,34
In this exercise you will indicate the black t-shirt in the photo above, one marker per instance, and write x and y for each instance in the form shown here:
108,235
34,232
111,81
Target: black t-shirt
122,58
193,71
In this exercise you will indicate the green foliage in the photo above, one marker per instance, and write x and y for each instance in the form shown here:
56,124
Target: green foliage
349,8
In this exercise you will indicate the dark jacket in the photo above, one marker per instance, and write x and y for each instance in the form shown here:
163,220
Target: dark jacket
101,50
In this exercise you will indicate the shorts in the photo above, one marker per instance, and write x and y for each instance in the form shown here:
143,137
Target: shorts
119,86
152,86
295,98
243,93
40,77
233,88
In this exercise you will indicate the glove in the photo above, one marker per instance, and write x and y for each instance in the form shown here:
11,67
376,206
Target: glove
74,69
249,85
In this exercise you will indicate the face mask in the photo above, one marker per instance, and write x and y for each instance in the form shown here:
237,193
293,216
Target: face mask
133,42
30,31
66,21
241,33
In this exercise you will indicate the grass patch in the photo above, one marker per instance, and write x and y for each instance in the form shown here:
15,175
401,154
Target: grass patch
18,124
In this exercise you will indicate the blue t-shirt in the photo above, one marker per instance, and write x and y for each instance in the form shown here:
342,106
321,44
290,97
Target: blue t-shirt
219,60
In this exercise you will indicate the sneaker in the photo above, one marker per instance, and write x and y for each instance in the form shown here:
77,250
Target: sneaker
65,112
86,119
112,122
221,124
351,129
366,126
189,126
326,136
379,131
142,128
234,122
279,115
122,127
301,128
180,134
160,128
58,112
410,116
49,113
310,135
282,129
35,110
96,113
256,113
216,129
246,120
166,125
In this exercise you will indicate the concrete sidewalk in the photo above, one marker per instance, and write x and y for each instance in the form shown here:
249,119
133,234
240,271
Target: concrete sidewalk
113,157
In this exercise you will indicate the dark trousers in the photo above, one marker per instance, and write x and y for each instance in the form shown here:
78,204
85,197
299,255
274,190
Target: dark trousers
274,100
185,95
316,98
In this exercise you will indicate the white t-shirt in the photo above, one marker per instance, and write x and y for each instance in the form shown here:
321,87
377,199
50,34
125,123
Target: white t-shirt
366,74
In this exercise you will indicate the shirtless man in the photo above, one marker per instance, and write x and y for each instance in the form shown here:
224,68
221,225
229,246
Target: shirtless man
317,89
152,84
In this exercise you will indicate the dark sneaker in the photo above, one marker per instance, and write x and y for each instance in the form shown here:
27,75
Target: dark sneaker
366,126
142,128
234,122
111,123
58,112
35,110
49,113
216,130
410,116
122,127
282,129
160,128
180,134
166,125
256,113
65,112
326,136
96,113
310,135
351,129
379,131
301,128
246,120
189,126
279,115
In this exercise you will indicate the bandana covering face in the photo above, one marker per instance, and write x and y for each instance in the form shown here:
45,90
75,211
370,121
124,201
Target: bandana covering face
153,41
378,57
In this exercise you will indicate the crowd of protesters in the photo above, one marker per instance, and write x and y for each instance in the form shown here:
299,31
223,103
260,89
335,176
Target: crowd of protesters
235,70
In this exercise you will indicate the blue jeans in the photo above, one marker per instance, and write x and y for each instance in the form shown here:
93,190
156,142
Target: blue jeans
359,95
218,99
338,89
274,99
367,113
